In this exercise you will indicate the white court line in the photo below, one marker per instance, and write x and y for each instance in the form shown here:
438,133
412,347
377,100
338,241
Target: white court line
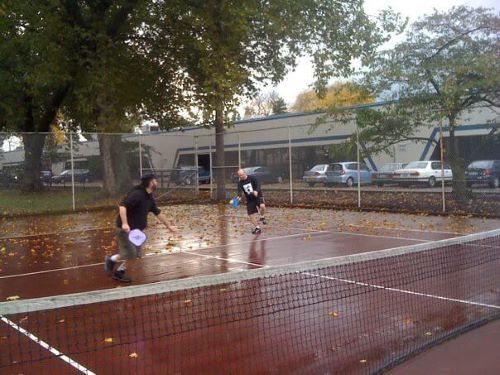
56,233
403,291
44,345
52,270
227,259
360,234
364,226
161,254
409,230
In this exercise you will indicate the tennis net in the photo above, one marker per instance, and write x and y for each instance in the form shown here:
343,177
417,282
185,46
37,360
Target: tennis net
357,314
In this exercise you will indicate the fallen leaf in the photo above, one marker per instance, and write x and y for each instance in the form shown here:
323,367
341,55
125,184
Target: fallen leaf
188,301
363,361
134,355
66,282
108,340
428,333
23,319
12,298
333,314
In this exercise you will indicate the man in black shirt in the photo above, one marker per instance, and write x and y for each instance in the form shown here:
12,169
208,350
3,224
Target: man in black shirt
134,209
250,187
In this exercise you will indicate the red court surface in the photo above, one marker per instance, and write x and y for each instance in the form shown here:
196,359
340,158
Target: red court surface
43,260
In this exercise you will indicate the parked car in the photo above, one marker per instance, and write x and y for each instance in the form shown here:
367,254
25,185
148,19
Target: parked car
386,174
46,176
81,175
263,174
187,176
423,172
346,173
316,175
483,172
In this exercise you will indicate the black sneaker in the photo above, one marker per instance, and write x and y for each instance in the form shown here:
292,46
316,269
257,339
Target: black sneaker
263,220
109,265
120,276
257,231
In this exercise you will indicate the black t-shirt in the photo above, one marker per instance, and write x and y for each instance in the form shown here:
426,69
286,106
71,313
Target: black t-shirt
248,187
138,203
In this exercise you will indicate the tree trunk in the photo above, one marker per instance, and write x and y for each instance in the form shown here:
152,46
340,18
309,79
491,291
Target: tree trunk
33,150
109,180
220,158
116,173
457,164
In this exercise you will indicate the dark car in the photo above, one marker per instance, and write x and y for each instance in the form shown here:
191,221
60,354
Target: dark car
263,174
46,176
187,176
483,172
81,175
386,174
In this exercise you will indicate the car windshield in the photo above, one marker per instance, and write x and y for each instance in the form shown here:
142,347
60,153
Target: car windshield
318,168
482,164
417,165
389,167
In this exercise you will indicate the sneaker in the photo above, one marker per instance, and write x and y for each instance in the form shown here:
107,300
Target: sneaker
109,265
257,231
263,220
120,276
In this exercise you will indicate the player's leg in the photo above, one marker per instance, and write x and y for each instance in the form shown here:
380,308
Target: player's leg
262,209
253,214
128,252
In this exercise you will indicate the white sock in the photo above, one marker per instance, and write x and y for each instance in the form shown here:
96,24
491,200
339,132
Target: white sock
115,257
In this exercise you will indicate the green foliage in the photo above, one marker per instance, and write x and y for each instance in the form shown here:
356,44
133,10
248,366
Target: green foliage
446,65
226,48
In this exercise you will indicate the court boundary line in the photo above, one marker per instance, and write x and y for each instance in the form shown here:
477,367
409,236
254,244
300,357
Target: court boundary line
133,291
45,345
364,226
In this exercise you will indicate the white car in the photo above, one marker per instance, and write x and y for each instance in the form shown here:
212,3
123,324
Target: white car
423,172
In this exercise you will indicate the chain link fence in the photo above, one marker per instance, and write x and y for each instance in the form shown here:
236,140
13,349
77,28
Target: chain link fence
299,161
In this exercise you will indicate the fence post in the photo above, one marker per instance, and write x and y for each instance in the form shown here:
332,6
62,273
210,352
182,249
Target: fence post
359,166
196,176
239,152
140,158
290,173
443,192
211,173
72,170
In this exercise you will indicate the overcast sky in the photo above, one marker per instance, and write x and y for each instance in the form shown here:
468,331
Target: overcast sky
302,77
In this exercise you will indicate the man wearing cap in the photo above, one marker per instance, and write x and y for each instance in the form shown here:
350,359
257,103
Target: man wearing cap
134,209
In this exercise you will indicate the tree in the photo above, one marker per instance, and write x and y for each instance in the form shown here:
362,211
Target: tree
265,104
228,48
46,49
447,65
279,106
337,95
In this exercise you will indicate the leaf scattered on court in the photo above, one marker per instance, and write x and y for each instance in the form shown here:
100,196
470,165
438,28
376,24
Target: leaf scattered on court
13,298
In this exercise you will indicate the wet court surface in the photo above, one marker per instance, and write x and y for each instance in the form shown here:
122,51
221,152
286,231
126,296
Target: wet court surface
63,254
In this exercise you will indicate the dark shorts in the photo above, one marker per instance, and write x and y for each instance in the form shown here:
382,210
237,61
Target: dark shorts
253,204
128,250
